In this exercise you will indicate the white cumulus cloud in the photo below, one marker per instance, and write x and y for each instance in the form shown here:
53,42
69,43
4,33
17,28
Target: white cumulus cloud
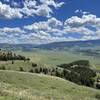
31,8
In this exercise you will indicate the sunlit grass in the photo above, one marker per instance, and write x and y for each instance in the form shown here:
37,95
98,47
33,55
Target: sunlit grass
16,85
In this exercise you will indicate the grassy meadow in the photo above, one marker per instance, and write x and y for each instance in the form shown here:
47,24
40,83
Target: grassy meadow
47,58
27,86
50,58
58,57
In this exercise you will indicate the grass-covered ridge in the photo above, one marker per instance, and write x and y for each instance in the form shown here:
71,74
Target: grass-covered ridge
19,81
27,86
78,72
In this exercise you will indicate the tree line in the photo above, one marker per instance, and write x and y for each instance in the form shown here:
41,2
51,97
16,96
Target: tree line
78,72
8,55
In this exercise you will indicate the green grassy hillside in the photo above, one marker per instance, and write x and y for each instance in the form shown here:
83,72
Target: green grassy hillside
50,57
27,86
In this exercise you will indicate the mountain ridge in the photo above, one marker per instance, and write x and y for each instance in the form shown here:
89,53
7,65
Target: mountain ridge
51,46
69,44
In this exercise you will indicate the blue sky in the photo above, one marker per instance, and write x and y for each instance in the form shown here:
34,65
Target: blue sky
44,21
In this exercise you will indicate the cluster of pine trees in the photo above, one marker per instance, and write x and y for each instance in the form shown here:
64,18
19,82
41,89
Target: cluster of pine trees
8,55
78,72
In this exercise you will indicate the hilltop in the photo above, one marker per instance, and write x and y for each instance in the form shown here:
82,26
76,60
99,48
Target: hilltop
27,86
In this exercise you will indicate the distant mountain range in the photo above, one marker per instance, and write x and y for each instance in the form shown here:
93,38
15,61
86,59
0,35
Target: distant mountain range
89,48
66,45
23,47
70,44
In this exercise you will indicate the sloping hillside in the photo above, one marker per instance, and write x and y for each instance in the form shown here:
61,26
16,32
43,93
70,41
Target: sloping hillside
27,86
